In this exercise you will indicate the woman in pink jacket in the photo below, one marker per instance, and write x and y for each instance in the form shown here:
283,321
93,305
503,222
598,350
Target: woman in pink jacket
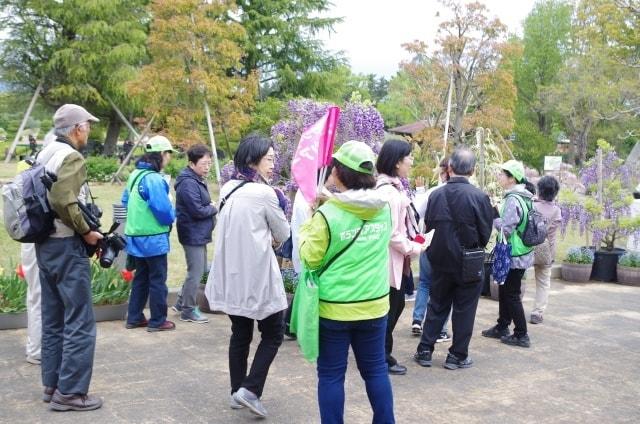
394,162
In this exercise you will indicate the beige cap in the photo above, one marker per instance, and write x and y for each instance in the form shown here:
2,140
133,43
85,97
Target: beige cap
69,115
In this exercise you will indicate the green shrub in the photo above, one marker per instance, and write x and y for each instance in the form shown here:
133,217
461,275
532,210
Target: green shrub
579,255
101,169
630,259
13,293
176,164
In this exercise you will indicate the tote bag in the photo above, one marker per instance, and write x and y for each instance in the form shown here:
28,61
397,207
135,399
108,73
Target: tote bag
305,315
501,259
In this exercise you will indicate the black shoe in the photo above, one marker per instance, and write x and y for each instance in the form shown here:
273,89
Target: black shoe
397,369
453,363
495,332
73,402
513,340
423,358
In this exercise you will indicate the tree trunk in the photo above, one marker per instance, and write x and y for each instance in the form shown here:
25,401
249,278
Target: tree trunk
542,123
113,132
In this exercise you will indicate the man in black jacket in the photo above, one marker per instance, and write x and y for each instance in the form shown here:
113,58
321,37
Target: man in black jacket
462,217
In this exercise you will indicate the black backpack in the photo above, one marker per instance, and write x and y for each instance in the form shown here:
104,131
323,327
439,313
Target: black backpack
535,230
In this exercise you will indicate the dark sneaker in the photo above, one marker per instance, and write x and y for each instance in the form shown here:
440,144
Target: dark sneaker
453,363
513,340
251,401
177,308
47,394
166,326
416,329
495,332
443,337
140,324
73,402
234,404
536,319
193,316
289,335
423,358
397,369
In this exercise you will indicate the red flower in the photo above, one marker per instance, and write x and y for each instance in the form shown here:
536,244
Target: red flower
20,272
127,275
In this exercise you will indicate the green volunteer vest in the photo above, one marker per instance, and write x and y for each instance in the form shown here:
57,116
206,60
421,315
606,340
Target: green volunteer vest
518,247
140,219
356,285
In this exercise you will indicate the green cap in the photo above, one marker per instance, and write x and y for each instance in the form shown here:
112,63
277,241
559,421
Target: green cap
515,168
353,154
159,143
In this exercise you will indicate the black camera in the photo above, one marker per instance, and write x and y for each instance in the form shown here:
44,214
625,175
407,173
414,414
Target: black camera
111,244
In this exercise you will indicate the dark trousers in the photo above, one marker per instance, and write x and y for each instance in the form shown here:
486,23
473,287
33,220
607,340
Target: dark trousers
149,282
396,306
510,304
449,292
366,338
68,323
271,332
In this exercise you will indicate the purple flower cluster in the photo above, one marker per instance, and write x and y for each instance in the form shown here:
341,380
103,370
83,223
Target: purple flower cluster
358,121
604,220
226,173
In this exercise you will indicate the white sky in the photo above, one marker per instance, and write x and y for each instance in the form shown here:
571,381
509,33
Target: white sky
373,30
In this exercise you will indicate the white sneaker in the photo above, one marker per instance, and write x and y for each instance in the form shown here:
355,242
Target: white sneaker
416,330
33,360
443,337
251,401
410,297
234,404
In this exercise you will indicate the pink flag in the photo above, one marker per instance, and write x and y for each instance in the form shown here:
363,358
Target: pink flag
314,151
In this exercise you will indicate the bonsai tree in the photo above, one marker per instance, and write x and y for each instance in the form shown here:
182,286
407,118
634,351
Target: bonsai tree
607,217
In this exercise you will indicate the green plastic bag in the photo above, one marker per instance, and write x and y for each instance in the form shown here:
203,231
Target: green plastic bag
305,315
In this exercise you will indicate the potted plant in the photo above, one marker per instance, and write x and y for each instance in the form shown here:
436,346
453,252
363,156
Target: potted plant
605,211
109,291
290,280
629,269
577,265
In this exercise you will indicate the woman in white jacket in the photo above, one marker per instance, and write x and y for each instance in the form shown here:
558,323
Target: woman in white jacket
245,280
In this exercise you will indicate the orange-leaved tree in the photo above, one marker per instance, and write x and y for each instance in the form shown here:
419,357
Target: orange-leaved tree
195,49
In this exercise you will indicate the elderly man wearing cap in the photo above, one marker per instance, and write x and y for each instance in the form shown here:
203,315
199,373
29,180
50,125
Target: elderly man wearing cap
461,216
68,324
149,218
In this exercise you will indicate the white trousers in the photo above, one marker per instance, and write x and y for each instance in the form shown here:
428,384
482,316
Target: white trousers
34,315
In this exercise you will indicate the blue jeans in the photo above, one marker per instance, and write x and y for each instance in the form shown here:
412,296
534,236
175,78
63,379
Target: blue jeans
422,295
150,281
367,341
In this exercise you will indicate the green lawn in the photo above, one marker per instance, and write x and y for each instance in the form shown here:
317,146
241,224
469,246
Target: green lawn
108,194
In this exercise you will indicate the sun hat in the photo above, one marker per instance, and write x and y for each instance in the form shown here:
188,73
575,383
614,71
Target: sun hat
353,154
515,168
159,143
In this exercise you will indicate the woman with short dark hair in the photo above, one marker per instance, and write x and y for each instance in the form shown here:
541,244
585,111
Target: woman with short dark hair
394,162
545,253
245,280
195,219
